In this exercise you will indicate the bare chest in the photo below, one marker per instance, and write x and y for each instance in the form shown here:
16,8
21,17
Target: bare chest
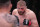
21,19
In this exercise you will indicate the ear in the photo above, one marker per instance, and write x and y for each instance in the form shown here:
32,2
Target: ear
10,5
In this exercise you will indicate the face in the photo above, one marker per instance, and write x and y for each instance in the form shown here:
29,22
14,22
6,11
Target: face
21,9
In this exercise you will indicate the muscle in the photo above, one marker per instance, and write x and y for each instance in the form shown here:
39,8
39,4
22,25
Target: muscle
31,15
15,24
4,23
13,20
34,20
9,20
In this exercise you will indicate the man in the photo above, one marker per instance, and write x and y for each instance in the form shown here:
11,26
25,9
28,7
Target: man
7,20
23,13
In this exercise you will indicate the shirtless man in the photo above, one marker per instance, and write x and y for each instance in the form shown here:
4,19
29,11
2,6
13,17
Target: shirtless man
7,20
24,13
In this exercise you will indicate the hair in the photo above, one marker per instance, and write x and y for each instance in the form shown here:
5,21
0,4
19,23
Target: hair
21,3
4,3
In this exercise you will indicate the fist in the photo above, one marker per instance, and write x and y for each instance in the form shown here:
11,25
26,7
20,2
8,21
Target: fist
26,22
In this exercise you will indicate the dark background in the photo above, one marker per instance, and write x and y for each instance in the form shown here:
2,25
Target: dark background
31,4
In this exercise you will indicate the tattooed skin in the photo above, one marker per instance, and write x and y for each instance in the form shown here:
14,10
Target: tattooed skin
8,20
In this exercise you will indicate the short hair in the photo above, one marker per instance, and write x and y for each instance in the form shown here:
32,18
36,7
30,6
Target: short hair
21,3
4,2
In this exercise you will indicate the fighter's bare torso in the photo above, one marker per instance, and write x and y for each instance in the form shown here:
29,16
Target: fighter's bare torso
7,20
28,15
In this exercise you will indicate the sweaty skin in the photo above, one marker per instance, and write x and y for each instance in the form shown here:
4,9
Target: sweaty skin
7,20
29,15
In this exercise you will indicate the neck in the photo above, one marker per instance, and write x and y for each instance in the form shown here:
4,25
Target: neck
3,11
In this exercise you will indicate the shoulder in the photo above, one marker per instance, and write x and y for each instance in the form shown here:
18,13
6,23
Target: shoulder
11,18
14,10
30,11
31,14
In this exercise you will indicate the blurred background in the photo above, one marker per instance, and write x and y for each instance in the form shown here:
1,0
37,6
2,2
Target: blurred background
32,5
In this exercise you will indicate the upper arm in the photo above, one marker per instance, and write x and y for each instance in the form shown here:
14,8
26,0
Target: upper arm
15,23
34,20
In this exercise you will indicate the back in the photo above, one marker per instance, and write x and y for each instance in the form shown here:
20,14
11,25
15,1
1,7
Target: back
7,20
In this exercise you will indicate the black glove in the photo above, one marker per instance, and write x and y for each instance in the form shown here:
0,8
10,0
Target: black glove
25,22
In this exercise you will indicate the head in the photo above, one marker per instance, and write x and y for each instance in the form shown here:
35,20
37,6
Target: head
21,7
5,5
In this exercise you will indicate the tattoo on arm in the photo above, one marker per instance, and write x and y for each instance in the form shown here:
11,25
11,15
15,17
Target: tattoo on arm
15,23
